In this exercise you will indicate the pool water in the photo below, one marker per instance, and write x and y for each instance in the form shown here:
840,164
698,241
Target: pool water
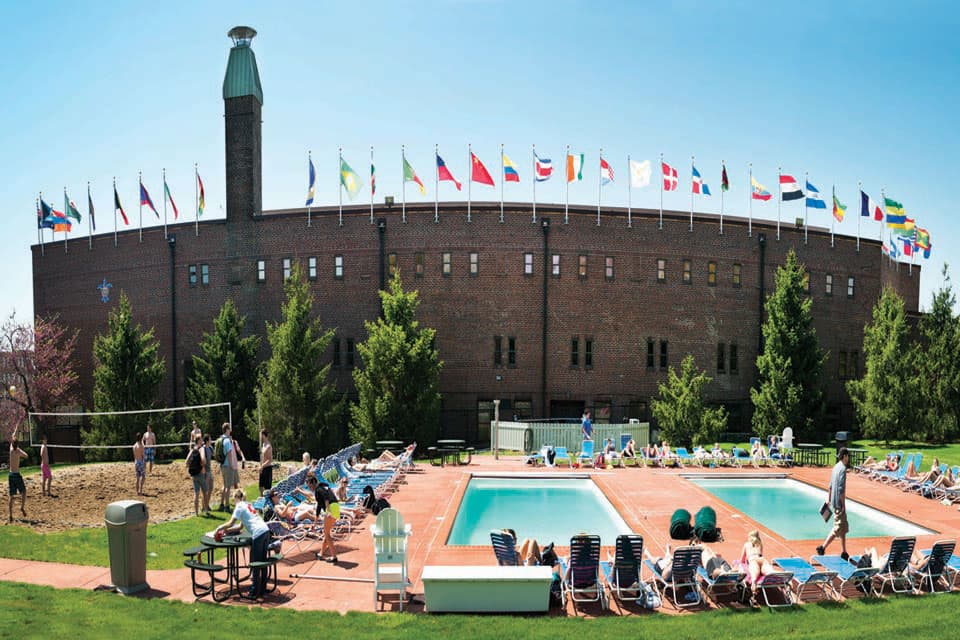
546,509
792,509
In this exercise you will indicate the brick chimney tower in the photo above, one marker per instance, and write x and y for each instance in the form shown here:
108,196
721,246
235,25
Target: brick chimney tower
242,102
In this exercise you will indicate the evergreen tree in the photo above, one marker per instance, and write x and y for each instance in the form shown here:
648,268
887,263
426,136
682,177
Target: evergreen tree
298,406
938,365
399,384
788,391
883,398
680,411
226,371
127,377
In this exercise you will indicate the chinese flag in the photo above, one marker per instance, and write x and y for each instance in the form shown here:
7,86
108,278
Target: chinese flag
478,172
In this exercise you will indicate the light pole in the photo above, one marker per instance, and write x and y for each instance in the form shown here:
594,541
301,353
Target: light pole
496,429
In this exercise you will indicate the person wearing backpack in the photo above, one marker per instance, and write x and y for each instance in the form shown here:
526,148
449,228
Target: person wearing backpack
196,467
225,453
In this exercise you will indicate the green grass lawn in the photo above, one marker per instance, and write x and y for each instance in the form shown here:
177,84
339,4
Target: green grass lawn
28,611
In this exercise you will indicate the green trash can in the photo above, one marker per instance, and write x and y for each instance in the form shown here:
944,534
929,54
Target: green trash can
127,537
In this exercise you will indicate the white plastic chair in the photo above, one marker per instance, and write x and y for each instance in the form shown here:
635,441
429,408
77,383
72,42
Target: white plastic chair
390,536
786,440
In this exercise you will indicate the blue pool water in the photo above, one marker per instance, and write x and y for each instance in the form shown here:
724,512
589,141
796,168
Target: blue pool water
792,509
547,509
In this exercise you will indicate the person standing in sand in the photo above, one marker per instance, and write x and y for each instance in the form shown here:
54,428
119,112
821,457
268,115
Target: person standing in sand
14,479
149,447
46,476
139,464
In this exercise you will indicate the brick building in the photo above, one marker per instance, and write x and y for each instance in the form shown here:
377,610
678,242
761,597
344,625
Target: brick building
547,316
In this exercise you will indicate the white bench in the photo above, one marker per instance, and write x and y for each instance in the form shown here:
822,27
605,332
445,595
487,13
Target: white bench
486,588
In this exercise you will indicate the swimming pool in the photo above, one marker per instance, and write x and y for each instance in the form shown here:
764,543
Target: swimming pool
792,509
547,509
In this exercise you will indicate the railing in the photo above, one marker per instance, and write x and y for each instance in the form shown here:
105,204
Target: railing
532,436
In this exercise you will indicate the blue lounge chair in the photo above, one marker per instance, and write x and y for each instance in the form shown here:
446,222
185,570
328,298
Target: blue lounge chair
561,455
894,572
622,572
685,458
936,567
581,572
896,474
851,576
683,573
505,548
806,578
585,457
728,583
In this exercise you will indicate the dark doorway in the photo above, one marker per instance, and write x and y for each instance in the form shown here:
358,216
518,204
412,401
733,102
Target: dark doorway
566,409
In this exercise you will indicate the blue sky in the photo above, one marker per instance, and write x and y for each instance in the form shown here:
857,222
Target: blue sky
845,91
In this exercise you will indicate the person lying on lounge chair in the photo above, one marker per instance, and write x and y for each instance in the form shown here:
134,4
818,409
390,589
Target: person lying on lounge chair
890,463
931,475
288,512
630,450
667,456
713,562
664,564
701,454
878,560
752,560
528,551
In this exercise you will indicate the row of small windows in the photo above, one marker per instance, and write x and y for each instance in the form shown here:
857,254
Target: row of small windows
286,266
575,353
343,357
728,358
204,274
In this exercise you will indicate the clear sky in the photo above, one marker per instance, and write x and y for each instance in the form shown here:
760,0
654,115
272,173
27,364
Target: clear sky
845,91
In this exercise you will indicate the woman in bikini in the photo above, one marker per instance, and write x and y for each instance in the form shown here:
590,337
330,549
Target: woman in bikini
752,560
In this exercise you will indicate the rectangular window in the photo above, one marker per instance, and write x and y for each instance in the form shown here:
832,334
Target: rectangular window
734,362
608,267
418,265
474,263
574,351
204,274
828,286
336,351
528,264
661,270
721,358
806,282
192,269
312,268
853,364
511,352
582,266
392,264
712,273
338,267
261,271
687,276
349,352
498,351
842,365
663,354
286,268
850,285
736,275
446,261
555,265
649,353
588,353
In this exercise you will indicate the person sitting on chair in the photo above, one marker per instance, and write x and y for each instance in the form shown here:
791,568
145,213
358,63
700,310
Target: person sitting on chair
629,451
752,560
664,564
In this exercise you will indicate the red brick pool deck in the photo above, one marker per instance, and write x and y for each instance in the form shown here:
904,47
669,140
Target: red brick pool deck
428,498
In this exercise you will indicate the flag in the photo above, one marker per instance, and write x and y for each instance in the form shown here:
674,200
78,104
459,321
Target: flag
640,174
349,179
544,168
893,249
117,207
478,172
93,219
70,207
724,181
814,199
699,186
145,199
868,206
907,245
443,173
759,191
409,175
896,216
312,179
373,180
922,239
53,219
509,170
789,189
45,216
574,167
201,203
606,172
166,193
670,181
909,224
838,209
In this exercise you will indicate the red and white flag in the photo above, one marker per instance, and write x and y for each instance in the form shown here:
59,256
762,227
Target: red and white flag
606,172
670,181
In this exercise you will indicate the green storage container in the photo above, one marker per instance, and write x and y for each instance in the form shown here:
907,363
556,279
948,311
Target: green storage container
127,537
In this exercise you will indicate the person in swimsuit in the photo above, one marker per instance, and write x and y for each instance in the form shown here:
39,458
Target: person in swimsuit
46,476
14,479
752,560
149,447
328,504
266,462
139,464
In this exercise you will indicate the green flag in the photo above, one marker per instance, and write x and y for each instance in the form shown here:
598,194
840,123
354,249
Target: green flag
349,179
70,208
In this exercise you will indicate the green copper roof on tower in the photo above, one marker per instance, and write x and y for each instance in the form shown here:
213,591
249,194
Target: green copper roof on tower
242,77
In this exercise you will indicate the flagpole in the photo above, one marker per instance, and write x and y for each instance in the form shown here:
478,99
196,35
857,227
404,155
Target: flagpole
115,210
403,184
196,200
436,183
39,222
164,171
340,184
750,203
566,206
723,169
660,224
883,199
692,163
140,180
373,177
599,186
779,198
533,148
309,206
66,201
833,218
806,209
502,181
469,178
89,219
859,217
